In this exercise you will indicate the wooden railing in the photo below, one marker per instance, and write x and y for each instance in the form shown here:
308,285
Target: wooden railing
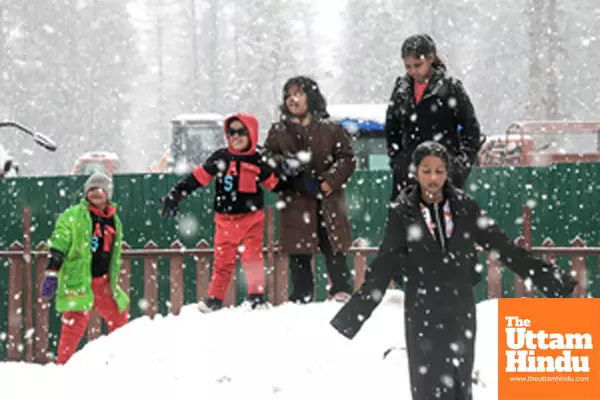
32,327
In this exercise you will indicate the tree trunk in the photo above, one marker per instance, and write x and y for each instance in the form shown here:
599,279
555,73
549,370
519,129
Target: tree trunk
553,43
195,60
211,24
536,108
160,67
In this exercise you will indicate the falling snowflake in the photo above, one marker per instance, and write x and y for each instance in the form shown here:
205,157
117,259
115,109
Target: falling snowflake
306,217
447,381
143,304
304,156
415,233
377,294
188,226
484,222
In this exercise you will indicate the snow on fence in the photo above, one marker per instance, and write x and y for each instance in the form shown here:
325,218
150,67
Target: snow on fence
33,326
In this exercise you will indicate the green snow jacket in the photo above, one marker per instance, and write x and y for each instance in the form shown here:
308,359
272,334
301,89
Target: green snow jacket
72,236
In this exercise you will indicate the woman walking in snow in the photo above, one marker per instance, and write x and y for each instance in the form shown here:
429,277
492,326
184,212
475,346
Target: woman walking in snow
429,247
428,104
310,148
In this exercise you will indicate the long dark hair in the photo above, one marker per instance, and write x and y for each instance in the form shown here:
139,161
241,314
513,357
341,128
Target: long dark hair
317,105
431,148
422,45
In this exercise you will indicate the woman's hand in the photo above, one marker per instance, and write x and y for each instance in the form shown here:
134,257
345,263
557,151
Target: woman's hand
326,189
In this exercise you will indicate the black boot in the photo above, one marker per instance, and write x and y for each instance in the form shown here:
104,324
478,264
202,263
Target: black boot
302,278
258,301
210,304
337,269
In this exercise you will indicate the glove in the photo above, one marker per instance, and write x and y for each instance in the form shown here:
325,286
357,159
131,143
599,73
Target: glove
171,205
313,185
307,184
291,166
49,285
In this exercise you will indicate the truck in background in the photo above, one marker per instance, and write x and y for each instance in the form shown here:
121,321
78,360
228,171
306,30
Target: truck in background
194,137
96,161
364,123
539,143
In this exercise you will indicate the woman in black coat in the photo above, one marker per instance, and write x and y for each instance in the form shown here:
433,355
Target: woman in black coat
429,247
428,104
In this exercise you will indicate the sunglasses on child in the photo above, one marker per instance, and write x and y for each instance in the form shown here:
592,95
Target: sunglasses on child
239,132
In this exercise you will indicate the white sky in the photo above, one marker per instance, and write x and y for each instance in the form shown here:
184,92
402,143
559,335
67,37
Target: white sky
328,20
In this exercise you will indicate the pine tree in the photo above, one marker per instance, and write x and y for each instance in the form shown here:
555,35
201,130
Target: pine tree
74,68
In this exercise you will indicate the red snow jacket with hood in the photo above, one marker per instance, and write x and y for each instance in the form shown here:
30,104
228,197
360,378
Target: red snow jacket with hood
237,174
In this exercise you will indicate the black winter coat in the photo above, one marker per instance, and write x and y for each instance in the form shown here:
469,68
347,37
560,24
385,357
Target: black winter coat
444,106
440,321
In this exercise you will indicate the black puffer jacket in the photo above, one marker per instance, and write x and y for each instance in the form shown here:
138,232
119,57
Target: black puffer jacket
444,106
440,320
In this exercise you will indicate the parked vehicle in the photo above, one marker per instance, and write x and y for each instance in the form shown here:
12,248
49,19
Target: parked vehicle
96,161
194,137
161,165
365,123
543,143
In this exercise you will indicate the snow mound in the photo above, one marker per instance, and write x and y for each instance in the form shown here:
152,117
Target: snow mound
289,351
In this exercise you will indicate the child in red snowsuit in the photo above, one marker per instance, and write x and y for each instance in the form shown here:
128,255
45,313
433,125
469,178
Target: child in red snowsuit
238,203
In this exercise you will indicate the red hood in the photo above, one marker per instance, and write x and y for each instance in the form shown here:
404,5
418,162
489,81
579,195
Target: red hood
251,124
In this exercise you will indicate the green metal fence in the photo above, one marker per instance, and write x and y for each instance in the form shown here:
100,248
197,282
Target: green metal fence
564,200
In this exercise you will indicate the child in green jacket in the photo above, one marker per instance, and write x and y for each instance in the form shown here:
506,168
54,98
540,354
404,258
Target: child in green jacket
84,265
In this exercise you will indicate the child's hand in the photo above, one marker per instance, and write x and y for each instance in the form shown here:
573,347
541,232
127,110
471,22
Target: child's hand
326,189
291,166
171,206
49,285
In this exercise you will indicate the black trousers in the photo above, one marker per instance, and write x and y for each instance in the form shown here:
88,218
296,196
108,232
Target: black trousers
301,271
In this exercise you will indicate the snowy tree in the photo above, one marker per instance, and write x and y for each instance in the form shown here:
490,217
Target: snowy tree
268,47
215,57
74,65
373,37
166,86
372,41
10,22
578,59
497,72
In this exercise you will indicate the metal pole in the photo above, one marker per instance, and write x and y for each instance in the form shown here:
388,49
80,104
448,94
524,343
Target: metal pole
27,255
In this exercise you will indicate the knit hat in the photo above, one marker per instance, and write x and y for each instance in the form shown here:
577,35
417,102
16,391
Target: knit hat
99,180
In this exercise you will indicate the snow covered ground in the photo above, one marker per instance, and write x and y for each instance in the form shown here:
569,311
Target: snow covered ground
287,352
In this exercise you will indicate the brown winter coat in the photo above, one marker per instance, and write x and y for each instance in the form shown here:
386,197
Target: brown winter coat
332,160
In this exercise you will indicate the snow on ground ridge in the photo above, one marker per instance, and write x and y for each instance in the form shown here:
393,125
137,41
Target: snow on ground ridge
287,352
